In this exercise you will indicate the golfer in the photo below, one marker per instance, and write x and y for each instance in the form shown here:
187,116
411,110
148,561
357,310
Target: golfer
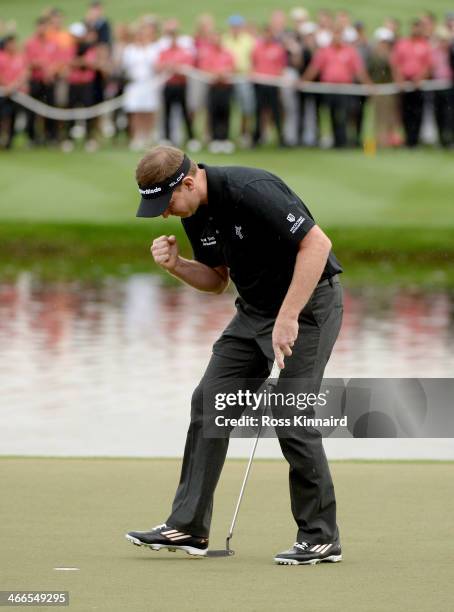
247,225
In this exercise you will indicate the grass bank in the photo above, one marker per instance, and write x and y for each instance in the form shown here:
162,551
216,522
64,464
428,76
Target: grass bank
390,217
80,250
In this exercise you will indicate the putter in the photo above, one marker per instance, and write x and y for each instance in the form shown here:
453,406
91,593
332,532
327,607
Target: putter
270,382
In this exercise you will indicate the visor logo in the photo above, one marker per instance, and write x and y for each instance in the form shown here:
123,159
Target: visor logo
177,180
150,190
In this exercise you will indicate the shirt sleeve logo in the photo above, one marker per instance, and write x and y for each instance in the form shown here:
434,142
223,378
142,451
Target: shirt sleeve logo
297,223
291,217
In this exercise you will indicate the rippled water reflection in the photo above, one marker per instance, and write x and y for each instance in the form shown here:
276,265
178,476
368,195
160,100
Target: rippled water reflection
109,369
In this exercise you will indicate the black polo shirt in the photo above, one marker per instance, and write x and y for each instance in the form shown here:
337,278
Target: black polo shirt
253,224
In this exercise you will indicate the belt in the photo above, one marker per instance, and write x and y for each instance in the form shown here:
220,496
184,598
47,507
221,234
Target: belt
329,281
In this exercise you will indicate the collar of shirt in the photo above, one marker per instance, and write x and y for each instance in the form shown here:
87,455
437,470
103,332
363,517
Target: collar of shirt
216,186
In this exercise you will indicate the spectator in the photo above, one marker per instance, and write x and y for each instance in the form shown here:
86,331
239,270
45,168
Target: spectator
171,59
198,89
13,77
300,60
122,38
183,41
241,44
344,22
299,17
393,24
205,28
358,103
141,91
428,25
42,57
269,60
325,23
449,23
384,106
337,63
411,60
277,24
81,78
6,29
96,20
56,32
221,64
443,99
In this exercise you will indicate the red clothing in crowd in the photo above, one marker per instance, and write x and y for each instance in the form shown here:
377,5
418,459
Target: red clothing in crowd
80,76
42,55
176,56
441,68
203,43
216,59
412,57
338,63
12,67
269,58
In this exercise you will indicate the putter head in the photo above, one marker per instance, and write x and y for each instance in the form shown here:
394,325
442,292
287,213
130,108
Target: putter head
227,552
220,553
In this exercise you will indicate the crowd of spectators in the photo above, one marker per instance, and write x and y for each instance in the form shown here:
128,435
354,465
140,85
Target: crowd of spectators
148,62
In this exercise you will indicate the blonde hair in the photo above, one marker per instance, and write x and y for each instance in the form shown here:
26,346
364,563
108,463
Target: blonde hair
160,163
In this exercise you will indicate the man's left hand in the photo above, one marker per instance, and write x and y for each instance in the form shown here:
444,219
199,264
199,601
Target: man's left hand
285,333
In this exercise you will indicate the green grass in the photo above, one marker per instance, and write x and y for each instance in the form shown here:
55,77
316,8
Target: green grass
395,188
25,11
73,512
74,215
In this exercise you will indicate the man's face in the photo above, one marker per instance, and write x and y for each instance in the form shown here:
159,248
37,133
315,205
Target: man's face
185,200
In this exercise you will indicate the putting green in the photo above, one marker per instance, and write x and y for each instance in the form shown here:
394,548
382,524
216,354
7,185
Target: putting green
395,519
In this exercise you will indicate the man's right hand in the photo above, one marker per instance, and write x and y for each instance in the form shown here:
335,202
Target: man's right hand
165,252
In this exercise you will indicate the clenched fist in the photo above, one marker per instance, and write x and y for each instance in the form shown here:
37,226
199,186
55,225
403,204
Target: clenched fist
165,252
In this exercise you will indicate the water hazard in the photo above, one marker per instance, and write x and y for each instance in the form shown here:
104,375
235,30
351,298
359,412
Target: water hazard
109,369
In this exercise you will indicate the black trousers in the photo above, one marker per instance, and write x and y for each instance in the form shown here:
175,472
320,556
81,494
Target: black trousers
175,95
267,98
244,351
8,112
82,95
44,92
356,112
444,115
412,104
338,105
219,98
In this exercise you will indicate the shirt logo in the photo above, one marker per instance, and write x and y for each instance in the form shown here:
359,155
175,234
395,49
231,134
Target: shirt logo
296,225
291,217
238,232
208,241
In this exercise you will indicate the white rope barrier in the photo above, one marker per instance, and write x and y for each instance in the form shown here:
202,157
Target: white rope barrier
78,114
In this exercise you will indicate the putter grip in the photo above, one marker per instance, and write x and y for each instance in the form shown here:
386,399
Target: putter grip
274,374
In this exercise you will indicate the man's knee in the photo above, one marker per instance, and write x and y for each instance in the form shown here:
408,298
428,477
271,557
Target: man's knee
197,404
